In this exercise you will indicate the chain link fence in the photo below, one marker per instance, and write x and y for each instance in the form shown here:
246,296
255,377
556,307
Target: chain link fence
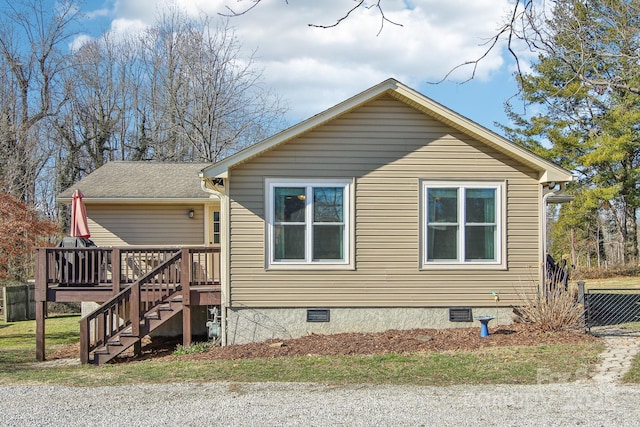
612,306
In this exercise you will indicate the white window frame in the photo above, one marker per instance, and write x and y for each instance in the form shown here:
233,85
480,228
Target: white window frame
308,263
500,223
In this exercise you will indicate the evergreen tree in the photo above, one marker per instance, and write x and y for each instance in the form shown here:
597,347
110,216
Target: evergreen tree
583,102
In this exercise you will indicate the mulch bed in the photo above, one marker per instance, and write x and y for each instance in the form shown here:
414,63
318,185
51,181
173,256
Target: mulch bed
345,344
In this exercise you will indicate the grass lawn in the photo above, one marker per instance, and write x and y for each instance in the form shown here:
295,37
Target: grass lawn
633,376
623,282
500,365
18,339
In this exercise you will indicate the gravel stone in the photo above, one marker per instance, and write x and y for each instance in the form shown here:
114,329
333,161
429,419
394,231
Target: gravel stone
598,401
586,403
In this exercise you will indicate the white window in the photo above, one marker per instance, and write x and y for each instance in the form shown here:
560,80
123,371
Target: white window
462,224
216,227
308,222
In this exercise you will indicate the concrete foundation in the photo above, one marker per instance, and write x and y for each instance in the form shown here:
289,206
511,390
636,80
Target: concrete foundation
245,325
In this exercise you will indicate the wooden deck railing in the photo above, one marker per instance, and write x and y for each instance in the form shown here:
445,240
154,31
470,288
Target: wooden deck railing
127,308
101,266
129,281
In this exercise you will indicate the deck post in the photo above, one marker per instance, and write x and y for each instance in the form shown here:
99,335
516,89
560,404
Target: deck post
40,310
134,307
115,270
185,280
40,276
186,325
84,341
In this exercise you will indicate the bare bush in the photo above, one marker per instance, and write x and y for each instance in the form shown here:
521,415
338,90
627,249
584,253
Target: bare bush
550,311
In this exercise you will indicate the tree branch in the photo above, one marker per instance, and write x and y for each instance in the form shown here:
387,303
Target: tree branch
232,13
360,3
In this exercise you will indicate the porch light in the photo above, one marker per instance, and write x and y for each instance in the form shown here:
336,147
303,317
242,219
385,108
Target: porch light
191,213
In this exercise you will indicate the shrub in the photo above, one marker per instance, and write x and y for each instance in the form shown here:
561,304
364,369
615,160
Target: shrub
198,347
550,311
21,228
63,308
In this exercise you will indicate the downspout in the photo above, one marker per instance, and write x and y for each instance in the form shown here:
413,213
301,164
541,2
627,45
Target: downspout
542,277
209,187
561,198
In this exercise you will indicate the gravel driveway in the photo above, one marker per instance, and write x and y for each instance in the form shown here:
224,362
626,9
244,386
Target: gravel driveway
583,403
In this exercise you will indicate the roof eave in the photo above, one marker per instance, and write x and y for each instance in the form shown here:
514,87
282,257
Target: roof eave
145,200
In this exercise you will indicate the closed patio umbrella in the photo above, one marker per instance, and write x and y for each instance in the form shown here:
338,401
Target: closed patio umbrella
79,225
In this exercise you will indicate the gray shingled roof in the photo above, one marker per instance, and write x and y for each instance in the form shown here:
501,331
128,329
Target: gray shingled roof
140,180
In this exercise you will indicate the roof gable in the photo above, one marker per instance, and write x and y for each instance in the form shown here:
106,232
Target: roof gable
547,171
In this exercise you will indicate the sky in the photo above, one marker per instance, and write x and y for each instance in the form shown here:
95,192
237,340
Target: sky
313,69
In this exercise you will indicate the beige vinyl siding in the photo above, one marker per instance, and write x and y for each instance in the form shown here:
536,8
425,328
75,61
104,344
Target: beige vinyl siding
389,148
145,225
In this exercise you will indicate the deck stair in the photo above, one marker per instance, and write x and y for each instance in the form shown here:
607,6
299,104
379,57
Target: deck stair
136,311
126,338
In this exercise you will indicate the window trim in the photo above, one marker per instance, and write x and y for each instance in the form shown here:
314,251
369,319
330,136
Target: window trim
501,226
349,238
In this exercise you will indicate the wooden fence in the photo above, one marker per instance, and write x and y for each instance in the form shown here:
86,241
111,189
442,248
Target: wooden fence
18,302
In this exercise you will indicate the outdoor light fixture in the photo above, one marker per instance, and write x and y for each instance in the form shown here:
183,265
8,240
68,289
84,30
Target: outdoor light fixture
191,213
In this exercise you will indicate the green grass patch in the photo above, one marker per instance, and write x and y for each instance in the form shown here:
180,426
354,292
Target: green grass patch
18,339
620,282
198,347
497,365
633,375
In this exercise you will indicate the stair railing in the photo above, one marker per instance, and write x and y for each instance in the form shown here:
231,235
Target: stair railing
128,307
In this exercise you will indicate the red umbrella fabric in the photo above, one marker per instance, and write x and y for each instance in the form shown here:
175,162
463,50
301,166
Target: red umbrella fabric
79,225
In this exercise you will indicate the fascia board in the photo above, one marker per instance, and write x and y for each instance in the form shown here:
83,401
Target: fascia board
130,200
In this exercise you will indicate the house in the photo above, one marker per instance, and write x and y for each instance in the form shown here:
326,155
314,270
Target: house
127,207
386,211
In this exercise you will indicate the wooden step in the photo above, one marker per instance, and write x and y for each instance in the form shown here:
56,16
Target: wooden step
163,310
124,339
113,349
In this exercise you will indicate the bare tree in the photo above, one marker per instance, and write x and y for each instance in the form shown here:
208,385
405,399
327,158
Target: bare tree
32,35
223,107
203,100
180,91
89,126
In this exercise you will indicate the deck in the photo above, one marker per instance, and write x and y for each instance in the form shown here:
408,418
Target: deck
139,289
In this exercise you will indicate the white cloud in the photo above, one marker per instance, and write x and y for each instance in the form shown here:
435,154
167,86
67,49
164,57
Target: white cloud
78,41
97,13
314,68
127,26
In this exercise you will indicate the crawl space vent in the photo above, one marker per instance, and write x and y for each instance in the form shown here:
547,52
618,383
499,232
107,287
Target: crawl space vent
318,315
460,314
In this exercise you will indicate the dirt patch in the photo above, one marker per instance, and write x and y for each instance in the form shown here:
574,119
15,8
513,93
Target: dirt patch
396,341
